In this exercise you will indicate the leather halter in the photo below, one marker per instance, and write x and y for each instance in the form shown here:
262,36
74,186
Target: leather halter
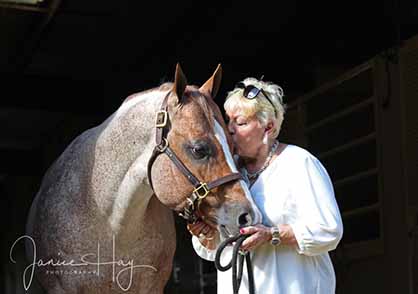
201,189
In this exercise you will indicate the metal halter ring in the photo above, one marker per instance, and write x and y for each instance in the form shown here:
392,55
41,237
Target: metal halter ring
201,191
163,145
191,203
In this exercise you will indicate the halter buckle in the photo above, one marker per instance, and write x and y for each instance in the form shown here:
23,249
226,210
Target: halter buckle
161,119
201,191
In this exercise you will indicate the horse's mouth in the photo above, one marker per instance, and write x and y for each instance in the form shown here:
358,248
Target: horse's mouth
225,233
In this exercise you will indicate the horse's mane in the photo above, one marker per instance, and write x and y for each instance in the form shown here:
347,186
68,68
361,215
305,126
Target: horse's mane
163,87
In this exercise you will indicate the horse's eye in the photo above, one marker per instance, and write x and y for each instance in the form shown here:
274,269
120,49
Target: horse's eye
200,151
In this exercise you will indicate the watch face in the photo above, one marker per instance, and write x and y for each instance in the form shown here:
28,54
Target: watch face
275,232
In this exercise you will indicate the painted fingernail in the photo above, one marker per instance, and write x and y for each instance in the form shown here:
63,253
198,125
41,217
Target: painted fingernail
242,231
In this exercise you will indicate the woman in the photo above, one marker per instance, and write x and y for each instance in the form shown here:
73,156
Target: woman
301,220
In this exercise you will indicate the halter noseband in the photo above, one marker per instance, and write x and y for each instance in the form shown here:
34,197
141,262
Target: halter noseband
201,189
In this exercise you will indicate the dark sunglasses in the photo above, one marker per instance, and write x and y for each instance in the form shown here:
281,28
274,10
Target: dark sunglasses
251,92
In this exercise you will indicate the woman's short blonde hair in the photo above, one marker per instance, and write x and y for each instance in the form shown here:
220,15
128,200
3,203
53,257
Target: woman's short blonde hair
260,106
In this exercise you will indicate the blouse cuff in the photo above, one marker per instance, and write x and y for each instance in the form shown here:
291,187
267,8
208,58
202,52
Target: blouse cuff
300,238
326,239
202,251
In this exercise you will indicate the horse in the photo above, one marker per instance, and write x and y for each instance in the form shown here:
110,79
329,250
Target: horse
102,220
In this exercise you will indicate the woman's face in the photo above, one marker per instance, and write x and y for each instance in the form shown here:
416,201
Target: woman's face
247,134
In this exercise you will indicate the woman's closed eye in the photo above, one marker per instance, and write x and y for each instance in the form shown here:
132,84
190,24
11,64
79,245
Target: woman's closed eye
241,122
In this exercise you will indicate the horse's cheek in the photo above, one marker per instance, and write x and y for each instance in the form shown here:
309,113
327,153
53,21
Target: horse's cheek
166,187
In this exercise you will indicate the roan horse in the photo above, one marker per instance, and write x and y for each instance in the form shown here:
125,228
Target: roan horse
97,226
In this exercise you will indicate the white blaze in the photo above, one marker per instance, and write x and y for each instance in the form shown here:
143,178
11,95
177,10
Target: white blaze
221,137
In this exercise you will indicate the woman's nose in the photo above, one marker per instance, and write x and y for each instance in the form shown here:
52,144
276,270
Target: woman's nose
231,128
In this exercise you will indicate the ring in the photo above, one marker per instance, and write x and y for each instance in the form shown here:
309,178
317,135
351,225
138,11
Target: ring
204,237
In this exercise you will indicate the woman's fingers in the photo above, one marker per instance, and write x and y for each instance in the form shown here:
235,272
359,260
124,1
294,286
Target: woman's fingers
253,229
249,243
259,235
248,230
196,228
206,229
200,228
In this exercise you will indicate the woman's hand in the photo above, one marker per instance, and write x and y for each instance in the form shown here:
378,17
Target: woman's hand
261,234
198,228
207,235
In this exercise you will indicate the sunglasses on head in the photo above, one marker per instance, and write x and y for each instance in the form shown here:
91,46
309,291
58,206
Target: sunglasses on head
251,92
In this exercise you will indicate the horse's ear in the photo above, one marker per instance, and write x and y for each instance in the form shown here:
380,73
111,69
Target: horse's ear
180,83
212,85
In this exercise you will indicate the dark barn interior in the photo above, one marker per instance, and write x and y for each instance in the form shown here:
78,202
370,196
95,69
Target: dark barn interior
345,67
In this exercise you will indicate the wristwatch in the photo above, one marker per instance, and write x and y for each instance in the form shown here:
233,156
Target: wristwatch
275,236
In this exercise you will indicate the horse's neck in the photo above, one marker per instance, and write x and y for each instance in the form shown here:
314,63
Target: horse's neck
122,153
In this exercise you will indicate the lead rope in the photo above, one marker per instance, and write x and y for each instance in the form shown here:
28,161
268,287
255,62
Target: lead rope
237,262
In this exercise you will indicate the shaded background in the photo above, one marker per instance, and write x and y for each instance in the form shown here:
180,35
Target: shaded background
67,65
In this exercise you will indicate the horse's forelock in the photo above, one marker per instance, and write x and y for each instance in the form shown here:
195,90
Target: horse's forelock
193,93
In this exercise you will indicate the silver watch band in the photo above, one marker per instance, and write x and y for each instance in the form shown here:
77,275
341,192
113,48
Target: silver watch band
275,236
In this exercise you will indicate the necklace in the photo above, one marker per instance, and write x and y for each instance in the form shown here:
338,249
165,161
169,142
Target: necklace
252,176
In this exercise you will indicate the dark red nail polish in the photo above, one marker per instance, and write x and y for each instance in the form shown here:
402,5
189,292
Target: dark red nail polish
241,231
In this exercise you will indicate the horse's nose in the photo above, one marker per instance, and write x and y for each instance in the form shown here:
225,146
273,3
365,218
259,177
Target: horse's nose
244,219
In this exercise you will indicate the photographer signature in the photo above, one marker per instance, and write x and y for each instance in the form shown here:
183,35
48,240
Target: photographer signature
85,260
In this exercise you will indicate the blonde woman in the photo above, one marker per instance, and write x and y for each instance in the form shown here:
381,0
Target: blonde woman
301,220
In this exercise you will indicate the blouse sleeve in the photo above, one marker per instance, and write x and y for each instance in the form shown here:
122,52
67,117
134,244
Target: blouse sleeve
319,227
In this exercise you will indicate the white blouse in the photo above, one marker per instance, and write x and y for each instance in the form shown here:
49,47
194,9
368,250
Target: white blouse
295,189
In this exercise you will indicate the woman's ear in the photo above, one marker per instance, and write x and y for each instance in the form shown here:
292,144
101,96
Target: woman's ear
269,129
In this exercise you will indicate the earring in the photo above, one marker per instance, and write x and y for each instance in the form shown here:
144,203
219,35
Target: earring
265,139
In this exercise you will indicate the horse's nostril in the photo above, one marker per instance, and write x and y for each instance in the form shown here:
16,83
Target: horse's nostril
244,219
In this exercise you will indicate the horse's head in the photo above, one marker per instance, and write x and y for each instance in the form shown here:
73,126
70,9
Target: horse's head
197,136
